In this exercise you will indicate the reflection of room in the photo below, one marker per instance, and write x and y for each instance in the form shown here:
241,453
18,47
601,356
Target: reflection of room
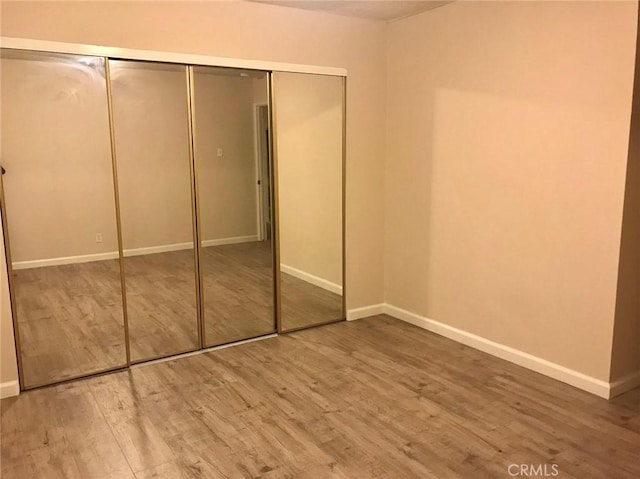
156,200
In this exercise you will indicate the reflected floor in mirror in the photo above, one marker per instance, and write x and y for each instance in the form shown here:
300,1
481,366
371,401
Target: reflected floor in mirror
70,320
304,304
71,316
238,291
161,304
239,296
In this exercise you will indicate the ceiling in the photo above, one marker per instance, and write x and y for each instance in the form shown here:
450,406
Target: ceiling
386,10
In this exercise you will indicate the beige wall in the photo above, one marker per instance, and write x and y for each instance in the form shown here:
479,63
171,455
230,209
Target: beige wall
308,116
626,339
55,148
507,135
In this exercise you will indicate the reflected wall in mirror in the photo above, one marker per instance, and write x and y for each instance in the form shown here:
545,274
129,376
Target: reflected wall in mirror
308,116
60,211
231,135
151,128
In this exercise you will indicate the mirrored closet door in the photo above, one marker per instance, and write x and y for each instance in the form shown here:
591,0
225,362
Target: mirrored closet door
152,209
232,158
66,273
309,143
154,172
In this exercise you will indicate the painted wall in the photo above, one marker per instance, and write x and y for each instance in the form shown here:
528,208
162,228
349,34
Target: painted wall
626,334
308,115
507,136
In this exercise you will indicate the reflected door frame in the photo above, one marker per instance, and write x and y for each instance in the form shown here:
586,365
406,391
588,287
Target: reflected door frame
263,176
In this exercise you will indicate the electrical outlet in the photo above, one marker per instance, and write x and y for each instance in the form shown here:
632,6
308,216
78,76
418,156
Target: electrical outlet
98,237
220,153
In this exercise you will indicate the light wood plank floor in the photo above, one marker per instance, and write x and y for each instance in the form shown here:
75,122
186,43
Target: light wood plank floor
71,316
375,398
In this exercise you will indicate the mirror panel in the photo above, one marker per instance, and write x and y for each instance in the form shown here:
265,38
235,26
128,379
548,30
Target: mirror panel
60,212
151,127
308,115
233,179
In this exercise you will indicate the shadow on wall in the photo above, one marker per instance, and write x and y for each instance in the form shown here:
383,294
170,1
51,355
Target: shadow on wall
502,216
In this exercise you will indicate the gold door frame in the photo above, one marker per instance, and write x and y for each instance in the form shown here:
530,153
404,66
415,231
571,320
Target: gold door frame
195,203
116,193
275,201
344,198
12,301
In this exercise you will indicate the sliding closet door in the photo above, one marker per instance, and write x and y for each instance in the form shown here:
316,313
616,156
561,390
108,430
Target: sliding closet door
151,127
232,161
309,144
61,217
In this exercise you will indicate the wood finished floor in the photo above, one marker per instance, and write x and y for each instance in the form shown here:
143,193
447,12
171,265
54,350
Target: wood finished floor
375,398
71,316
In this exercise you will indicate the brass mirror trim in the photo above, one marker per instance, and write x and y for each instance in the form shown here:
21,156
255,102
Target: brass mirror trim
275,252
12,298
344,198
114,166
275,223
195,203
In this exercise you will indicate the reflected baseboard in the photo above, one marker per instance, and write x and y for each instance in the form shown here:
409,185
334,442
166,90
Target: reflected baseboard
88,258
84,258
231,240
157,249
309,278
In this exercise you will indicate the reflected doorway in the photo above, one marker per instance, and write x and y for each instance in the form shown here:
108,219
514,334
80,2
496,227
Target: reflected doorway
263,171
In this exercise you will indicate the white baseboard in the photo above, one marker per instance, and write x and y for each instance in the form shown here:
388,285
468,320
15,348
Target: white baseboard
9,389
624,384
309,278
165,248
87,258
577,379
231,240
365,312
